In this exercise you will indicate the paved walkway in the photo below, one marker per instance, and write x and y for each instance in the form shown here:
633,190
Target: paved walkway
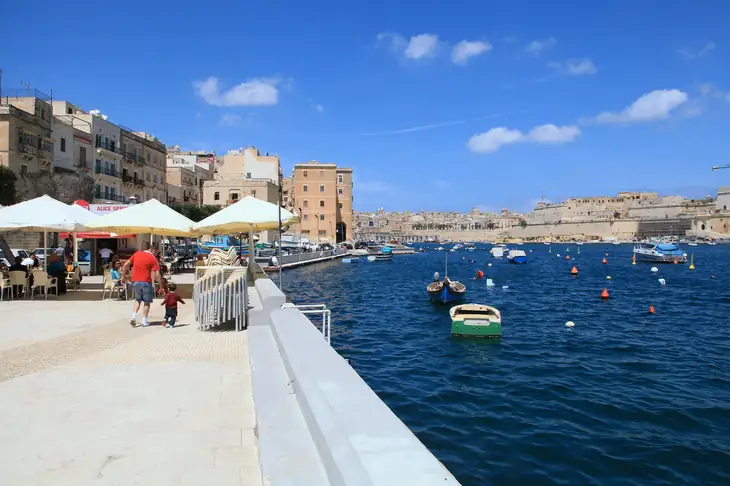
87,400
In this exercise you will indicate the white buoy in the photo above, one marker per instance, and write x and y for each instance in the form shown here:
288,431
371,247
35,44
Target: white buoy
608,277
654,269
489,264
662,281
558,255
505,287
570,324
490,282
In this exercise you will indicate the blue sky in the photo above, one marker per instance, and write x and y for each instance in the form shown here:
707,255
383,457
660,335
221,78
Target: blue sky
435,105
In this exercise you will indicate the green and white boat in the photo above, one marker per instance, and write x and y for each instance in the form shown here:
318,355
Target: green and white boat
475,320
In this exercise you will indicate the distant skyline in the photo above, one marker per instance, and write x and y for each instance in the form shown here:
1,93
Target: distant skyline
439,106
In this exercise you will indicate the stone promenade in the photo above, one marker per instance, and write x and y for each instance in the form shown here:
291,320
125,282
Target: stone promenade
85,399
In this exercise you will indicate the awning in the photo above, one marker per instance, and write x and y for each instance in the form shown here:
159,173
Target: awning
95,235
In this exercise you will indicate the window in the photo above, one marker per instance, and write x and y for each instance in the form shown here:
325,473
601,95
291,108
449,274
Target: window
321,217
305,217
216,196
339,191
306,203
23,169
304,173
106,141
305,188
322,232
321,204
63,145
248,175
339,205
113,192
106,192
113,145
155,178
321,173
234,196
69,111
106,166
339,179
253,193
321,188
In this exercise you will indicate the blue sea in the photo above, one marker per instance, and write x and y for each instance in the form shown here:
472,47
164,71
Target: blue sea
623,398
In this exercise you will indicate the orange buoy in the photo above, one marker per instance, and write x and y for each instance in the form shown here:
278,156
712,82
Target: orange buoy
651,309
604,261
675,261
574,270
480,274
604,294
567,257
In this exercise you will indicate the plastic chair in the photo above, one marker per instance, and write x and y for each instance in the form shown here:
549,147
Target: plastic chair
110,284
19,278
41,280
5,285
74,280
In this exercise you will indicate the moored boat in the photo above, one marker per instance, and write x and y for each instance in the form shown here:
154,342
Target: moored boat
446,291
351,260
475,320
498,251
517,256
659,252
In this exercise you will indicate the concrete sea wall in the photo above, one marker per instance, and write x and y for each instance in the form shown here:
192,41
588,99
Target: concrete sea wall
357,439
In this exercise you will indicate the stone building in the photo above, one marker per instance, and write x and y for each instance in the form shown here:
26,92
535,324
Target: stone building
26,138
322,196
240,173
200,164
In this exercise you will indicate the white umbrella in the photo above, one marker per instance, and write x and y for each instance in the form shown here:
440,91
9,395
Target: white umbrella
246,216
151,217
44,214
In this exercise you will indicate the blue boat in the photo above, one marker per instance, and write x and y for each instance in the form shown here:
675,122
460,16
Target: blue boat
221,243
445,291
517,256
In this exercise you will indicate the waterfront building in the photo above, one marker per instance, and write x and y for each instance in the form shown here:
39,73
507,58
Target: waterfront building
241,173
186,174
26,139
322,196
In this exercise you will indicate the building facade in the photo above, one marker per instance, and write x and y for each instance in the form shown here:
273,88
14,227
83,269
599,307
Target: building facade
202,166
26,138
322,197
242,173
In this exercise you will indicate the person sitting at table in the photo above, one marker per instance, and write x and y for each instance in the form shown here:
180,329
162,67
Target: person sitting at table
57,269
18,267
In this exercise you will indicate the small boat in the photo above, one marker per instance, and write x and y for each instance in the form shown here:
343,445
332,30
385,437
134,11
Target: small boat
659,252
359,252
580,243
692,243
371,258
517,256
475,320
498,251
351,260
446,291
470,247
440,248
616,243
382,257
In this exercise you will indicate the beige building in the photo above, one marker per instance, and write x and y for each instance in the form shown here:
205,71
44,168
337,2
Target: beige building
128,165
199,164
322,196
181,187
287,194
241,173
26,140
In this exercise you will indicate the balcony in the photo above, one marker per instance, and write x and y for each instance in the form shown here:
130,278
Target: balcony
132,157
82,165
138,182
29,149
110,197
105,171
111,148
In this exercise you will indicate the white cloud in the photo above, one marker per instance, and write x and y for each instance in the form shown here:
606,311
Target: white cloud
465,50
656,105
319,108
538,46
689,54
229,119
254,92
574,67
417,47
492,140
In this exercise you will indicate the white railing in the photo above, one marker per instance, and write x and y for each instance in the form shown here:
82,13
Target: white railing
316,309
220,296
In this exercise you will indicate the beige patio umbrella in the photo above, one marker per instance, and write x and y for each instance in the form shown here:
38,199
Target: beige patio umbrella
246,216
151,217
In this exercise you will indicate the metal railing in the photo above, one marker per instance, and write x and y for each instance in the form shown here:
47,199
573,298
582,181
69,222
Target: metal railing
220,296
106,171
316,309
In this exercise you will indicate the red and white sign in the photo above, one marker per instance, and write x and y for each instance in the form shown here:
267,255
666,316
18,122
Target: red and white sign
100,209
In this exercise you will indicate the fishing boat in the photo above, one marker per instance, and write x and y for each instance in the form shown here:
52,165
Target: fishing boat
499,250
359,252
475,320
517,256
692,243
351,260
445,290
659,252
470,247
616,243
382,257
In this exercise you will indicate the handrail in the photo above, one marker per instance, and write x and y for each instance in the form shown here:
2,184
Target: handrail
316,309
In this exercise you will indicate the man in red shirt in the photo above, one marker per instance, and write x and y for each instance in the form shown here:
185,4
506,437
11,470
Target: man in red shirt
145,270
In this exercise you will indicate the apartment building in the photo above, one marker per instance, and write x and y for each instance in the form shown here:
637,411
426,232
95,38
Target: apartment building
241,173
26,139
322,196
198,164
148,156
287,194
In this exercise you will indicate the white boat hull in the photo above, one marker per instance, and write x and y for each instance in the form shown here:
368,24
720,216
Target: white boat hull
654,257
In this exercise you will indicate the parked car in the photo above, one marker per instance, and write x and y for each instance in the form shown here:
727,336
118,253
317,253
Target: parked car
42,255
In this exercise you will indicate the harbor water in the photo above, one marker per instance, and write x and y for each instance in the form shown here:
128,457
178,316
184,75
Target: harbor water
623,398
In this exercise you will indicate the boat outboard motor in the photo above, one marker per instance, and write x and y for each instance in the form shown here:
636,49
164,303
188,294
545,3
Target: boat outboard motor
436,277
